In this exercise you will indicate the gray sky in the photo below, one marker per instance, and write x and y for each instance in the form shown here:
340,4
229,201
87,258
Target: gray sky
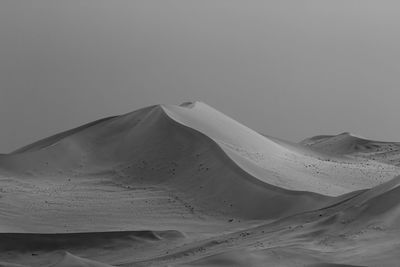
289,69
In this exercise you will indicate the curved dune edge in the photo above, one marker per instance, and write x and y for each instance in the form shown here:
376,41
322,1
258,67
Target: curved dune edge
351,145
52,140
286,166
41,144
354,232
70,260
67,260
258,258
188,170
84,240
201,174
279,165
257,185
377,208
38,249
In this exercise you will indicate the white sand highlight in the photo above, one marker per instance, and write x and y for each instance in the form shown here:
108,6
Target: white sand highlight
188,186
275,164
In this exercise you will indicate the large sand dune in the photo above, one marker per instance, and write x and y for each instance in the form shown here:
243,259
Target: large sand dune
188,186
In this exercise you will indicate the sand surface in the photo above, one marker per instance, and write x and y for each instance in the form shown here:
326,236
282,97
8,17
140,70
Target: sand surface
188,186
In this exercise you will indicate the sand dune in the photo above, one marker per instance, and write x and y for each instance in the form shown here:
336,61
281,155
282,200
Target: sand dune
188,186
354,146
70,260
276,163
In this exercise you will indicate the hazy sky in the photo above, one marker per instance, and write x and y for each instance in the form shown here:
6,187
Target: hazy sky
289,69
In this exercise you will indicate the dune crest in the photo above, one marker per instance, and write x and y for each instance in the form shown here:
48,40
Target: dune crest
356,147
187,185
276,164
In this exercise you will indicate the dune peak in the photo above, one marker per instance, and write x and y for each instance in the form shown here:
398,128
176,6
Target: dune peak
189,104
168,180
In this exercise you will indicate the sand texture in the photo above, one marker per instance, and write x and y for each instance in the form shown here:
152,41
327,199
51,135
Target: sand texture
188,186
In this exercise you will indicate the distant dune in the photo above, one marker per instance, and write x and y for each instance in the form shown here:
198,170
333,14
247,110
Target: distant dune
186,185
350,145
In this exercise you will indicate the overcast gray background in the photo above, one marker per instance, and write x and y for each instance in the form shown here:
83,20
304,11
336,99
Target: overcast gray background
289,69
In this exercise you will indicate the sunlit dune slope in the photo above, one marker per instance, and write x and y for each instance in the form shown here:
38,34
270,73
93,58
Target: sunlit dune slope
283,165
188,186
131,171
354,146
111,141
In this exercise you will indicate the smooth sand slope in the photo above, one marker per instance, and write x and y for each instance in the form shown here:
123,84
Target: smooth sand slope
354,146
188,186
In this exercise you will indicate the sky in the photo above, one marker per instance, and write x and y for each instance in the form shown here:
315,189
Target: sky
289,69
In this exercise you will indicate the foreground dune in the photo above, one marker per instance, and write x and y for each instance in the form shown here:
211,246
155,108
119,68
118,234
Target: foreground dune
188,186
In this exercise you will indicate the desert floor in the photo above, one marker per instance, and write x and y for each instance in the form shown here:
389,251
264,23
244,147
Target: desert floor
188,186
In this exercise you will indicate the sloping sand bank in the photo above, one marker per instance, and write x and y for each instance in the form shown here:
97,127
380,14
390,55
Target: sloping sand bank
189,186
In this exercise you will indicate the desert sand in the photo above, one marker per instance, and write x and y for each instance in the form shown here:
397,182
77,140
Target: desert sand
186,185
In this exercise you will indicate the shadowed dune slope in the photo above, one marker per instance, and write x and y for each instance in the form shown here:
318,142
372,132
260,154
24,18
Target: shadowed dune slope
279,163
103,144
377,208
187,171
279,257
70,260
188,186
55,138
212,164
80,241
362,230
46,249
